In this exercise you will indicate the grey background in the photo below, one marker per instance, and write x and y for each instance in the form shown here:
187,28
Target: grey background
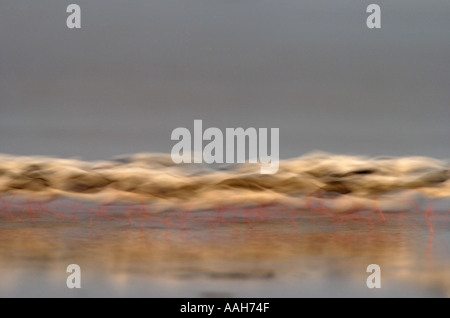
138,69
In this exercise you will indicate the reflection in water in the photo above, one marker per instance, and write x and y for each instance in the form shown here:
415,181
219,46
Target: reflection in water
265,251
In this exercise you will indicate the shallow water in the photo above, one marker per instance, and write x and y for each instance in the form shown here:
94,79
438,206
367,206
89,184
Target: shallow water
255,252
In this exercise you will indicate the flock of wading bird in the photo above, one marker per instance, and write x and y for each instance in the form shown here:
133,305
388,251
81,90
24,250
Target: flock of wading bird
339,182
